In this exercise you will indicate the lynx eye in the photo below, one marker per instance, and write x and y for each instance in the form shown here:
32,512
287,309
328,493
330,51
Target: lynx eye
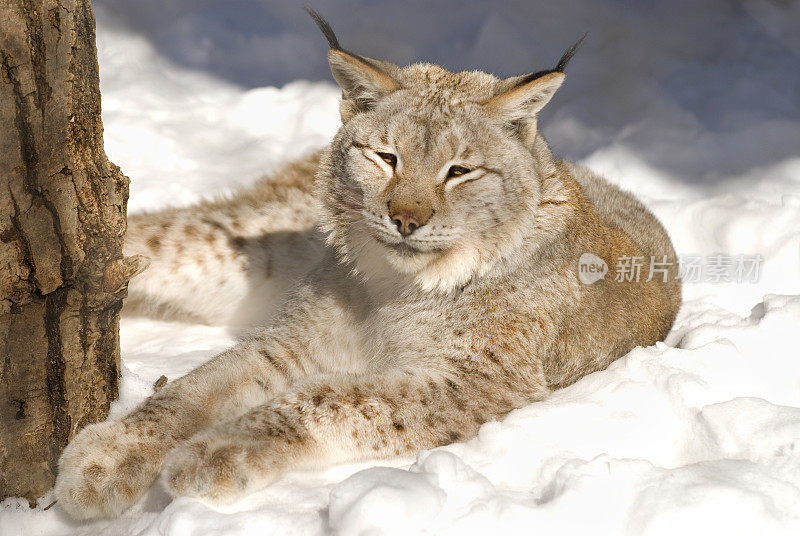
457,171
389,158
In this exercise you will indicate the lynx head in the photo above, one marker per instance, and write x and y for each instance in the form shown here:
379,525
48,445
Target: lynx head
433,174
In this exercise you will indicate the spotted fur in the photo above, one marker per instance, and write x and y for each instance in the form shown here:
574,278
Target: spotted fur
372,343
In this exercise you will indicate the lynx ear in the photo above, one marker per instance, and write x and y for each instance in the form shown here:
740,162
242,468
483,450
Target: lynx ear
364,81
518,99
521,99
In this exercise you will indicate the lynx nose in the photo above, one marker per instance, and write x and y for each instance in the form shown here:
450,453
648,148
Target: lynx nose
406,222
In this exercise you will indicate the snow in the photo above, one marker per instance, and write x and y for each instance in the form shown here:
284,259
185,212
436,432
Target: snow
695,109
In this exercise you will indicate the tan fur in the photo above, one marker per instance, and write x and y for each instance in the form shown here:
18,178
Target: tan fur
378,343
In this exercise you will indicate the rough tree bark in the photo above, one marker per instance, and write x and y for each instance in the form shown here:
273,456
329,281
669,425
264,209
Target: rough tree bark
62,219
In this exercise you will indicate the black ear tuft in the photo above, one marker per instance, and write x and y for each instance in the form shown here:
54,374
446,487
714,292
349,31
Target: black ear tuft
562,63
325,28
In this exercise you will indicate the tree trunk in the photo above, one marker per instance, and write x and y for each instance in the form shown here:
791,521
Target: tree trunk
62,219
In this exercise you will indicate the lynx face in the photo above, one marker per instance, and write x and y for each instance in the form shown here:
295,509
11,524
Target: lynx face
431,174
431,179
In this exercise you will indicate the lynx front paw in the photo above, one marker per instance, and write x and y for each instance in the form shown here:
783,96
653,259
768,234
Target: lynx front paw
218,468
104,470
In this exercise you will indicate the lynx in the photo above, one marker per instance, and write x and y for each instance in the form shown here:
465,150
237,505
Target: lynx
414,280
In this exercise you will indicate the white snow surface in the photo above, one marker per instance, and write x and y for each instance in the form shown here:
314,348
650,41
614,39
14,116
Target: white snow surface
696,435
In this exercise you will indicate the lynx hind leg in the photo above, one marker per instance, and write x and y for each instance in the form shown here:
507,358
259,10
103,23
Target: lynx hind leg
105,469
229,261
196,272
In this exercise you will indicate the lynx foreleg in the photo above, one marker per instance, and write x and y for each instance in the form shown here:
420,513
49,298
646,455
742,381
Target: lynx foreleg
328,420
109,465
